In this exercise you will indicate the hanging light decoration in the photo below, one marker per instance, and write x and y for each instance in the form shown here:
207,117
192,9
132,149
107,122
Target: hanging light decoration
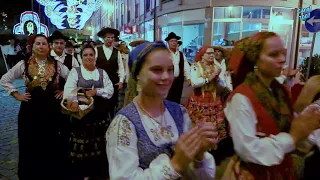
70,13
30,24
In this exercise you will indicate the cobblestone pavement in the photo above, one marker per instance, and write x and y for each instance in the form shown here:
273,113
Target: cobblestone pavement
9,109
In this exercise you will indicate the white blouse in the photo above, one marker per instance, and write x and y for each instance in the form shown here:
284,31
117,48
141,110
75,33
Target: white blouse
124,159
71,84
267,151
17,71
224,76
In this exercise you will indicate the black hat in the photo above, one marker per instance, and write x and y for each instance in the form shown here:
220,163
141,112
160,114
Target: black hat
104,31
57,35
180,43
72,39
69,44
172,35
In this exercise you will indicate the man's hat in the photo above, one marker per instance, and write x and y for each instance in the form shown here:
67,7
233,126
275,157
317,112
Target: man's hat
137,42
104,31
69,44
180,43
57,35
172,35
224,51
72,39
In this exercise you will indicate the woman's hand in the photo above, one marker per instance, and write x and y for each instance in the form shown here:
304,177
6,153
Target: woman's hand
59,94
21,97
214,75
91,93
187,147
208,134
305,123
74,107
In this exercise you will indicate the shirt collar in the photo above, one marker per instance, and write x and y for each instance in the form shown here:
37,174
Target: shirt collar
52,53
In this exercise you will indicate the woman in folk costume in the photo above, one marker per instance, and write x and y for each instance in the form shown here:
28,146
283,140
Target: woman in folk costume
263,128
87,141
40,152
152,138
206,102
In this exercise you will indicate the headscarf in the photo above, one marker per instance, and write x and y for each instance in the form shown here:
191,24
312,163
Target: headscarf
245,55
136,58
201,52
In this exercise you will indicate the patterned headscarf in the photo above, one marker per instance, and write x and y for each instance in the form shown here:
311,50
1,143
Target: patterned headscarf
245,55
201,52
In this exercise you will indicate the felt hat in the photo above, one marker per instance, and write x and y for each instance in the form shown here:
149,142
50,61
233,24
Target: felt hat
137,42
57,35
106,30
172,35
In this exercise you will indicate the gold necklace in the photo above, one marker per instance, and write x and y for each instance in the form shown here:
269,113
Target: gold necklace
162,129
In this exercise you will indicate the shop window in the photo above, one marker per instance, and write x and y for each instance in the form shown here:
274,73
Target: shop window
250,29
256,12
226,33
193,36
227,12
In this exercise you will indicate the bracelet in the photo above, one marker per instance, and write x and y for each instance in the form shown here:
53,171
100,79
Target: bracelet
13,92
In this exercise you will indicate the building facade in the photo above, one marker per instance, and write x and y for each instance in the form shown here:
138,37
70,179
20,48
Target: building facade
208,22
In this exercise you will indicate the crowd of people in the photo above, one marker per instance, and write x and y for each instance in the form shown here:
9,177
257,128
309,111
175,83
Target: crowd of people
101,111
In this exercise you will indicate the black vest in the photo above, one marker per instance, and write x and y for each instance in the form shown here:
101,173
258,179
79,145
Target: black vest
175,92
109,65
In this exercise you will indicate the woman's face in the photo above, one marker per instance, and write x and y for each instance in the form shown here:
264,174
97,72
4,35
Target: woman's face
41,46
272,57
209,55
88,58
156,75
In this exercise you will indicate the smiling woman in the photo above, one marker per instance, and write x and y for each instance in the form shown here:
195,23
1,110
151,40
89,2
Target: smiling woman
152,138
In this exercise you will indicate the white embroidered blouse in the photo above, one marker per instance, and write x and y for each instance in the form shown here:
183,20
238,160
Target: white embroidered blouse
123,155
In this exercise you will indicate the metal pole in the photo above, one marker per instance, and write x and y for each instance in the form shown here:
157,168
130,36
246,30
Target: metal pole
311,54
296,53
155,20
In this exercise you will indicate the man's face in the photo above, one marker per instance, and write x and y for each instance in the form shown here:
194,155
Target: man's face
173,43
58,46
109,39
12,41
218,54
69,50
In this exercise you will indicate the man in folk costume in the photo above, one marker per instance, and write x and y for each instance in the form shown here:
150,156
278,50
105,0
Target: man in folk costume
110,60
58,43
70,49
181,68
220,55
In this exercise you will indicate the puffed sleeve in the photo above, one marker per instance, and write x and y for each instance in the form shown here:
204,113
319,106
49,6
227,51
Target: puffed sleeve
14,73
123,155
196,80
107,90
207,168
63,70
71,84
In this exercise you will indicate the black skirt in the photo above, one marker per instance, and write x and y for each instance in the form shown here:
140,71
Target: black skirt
87,143
42,137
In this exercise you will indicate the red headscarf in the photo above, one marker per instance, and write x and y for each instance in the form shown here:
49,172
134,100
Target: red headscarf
201,52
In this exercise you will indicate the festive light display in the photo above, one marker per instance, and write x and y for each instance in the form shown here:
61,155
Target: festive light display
30,24
70,13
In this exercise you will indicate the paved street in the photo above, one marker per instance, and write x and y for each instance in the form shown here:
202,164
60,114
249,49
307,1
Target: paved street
8,133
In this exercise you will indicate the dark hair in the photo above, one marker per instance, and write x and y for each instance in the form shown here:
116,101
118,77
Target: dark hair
39,35
87,46
139,64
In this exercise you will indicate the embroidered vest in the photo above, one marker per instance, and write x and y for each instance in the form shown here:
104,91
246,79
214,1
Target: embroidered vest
89,83
266,125
147,150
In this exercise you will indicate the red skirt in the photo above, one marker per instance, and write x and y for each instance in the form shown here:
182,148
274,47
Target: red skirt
203,108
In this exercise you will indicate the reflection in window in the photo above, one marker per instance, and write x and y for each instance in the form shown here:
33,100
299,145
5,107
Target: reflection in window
250,29
256,12
227,12
225,34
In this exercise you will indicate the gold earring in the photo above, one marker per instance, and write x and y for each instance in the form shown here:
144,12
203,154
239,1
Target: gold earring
138,88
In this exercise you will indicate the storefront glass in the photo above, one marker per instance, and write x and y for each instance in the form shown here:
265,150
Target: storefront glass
149,30
189,25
